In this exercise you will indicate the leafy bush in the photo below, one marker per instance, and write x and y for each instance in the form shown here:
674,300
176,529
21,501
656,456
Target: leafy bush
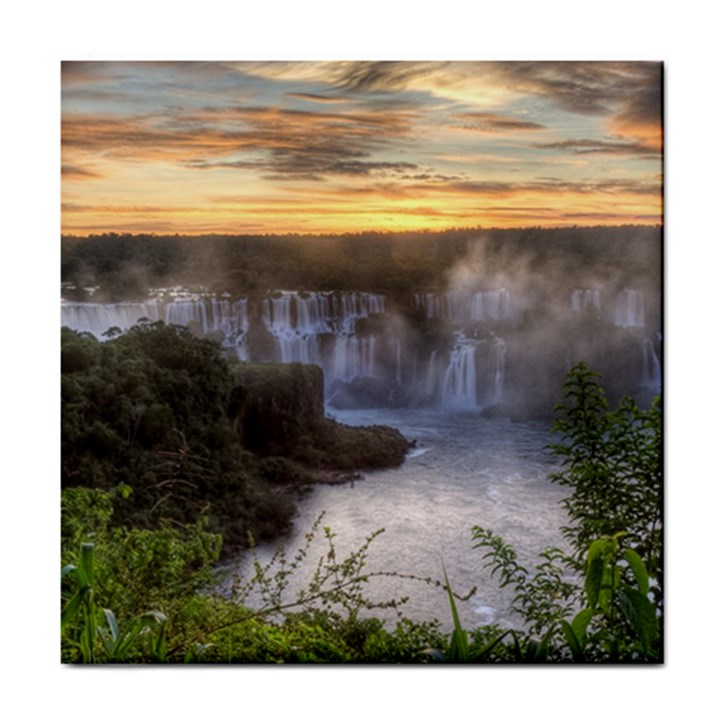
142,595
612,460
149,409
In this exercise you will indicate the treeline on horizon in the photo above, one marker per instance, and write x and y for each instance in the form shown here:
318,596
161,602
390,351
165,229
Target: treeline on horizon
125,266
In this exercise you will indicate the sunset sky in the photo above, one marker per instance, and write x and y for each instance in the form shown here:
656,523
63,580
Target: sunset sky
199,147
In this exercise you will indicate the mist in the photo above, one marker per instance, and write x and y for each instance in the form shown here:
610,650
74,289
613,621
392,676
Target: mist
470,321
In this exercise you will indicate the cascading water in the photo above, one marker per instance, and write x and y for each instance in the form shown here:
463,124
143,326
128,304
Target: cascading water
475,375
322,328
651,371
353,357
185,312
461,307
434,305
98,318
580,299
630,309
496,372
296,321
490,305
459,388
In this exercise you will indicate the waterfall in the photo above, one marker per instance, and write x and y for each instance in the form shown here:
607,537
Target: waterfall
185,312
651,370
435,305
490,305
497,371
630,309
352,357
98,318
459,307
459,389
321,328
580,299
474,376
302,324
430,379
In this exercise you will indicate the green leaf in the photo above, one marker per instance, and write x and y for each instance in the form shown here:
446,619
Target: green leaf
638,569
154,617
580,623
640,613
531,650
541,653
70,609
572,641
112,624
485,651
595,571
435,654
458,643
149,619
87,562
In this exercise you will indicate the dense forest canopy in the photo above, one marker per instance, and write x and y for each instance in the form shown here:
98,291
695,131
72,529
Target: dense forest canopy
124,266
166,415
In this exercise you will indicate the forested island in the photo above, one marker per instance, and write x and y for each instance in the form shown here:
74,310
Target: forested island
164,413
184,444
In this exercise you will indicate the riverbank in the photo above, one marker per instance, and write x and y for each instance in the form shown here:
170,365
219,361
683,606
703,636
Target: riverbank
188,435
464,470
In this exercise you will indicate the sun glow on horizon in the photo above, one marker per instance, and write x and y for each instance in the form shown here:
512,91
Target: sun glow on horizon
194,148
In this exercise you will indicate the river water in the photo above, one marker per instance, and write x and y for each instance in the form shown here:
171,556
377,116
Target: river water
464,471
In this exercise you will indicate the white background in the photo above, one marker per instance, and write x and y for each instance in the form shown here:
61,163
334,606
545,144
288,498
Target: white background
35,38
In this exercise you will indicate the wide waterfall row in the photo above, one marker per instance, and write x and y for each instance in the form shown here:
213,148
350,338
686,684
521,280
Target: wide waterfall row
285,313
98,318
316,328
462,307
494,305
629,305
382,357
319,313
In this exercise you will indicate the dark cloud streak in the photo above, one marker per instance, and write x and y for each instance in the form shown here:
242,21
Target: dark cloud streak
78,173
491,122
586,146
291,144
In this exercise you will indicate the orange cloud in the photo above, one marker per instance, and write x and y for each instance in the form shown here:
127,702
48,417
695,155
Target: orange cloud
337,147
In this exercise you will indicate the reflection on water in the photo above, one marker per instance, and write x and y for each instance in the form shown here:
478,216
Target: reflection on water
464,471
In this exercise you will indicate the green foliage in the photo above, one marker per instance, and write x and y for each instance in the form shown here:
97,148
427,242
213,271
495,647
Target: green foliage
460,649
135,594
542,597
612,460
149,410
135,570
81,618
146,596
282,414
617,588
79,614
118,644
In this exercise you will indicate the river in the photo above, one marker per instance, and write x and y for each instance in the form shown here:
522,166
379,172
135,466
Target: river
464,471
